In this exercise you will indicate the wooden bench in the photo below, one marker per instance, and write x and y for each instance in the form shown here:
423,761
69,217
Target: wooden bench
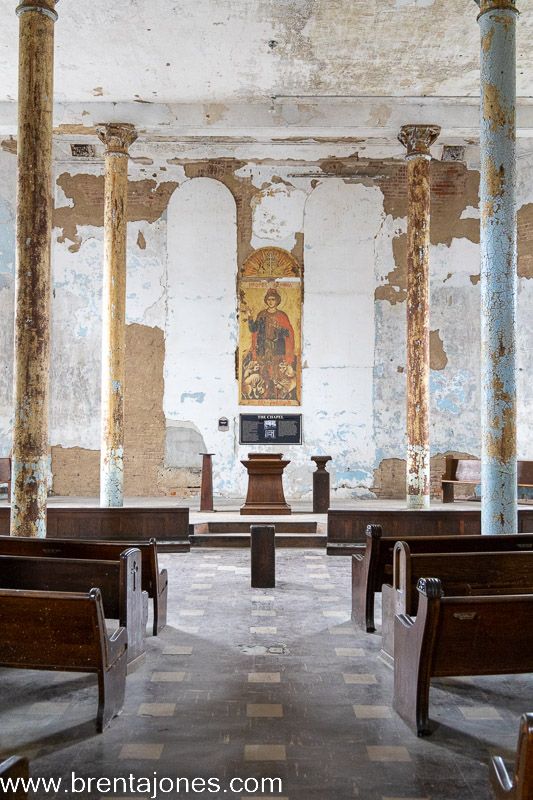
65,631
375,566
119,583
154,582
13,770
467,471
520,785
468,574
454,636
347,528
169,526
5,475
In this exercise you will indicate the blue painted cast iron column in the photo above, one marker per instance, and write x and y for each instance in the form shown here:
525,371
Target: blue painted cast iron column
497,21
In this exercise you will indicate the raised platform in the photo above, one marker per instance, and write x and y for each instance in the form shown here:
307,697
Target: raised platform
176,528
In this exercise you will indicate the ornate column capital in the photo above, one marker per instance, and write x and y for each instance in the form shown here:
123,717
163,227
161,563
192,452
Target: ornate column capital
117,137
495,5
46,7
418,139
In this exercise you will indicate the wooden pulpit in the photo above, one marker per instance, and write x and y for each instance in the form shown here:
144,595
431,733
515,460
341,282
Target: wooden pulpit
265,484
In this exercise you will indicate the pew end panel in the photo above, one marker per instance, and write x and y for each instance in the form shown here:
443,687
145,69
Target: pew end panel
520,785
414,640
365,579
132,605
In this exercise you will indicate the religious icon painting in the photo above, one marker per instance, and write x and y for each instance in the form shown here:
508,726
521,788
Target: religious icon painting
270,330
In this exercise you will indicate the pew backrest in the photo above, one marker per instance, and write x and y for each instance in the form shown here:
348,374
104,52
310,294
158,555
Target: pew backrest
119,583
65,631
53,630
468,574
154,582
375,567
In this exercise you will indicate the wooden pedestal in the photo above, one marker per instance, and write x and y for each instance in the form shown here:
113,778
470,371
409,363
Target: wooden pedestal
206,491
320,485
265,484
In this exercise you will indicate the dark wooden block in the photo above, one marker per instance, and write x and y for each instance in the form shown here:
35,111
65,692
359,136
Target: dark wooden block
263,553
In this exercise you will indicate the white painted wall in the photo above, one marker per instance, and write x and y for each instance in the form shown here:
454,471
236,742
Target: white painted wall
184,281
201,325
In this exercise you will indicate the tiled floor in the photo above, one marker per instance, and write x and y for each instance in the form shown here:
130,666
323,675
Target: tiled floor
262,683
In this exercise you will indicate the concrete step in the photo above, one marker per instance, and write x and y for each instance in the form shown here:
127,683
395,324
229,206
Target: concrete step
237,539
240,526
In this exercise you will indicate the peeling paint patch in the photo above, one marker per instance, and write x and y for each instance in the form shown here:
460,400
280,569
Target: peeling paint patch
198,397
147,200
9,145
525,241
437,355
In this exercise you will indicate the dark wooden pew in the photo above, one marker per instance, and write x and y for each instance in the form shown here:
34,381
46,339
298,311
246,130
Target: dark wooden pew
65,631
11,770
347,528
119,583
168,525
373,568
454,636
468,574
467,472
520,785
154,582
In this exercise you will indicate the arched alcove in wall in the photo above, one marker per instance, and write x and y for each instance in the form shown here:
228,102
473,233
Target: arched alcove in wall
201,326
340,223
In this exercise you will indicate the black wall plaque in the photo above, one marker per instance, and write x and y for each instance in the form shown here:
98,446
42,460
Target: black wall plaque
270,429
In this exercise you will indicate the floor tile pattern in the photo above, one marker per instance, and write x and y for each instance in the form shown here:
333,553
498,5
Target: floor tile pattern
307,700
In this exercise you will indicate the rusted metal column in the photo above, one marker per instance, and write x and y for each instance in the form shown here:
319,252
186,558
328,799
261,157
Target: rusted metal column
418,139
117,139
32,287
497,22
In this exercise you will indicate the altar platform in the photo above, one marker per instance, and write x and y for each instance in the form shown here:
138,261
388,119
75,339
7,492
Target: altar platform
227,527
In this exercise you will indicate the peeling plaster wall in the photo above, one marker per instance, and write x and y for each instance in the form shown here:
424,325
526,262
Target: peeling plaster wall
192,223
8,184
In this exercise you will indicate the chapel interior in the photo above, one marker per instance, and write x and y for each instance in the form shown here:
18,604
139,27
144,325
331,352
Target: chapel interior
266,441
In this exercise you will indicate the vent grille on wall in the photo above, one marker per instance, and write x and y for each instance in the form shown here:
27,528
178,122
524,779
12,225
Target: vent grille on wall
83,150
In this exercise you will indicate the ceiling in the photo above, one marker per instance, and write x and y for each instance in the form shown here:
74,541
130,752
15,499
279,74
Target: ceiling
228,56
